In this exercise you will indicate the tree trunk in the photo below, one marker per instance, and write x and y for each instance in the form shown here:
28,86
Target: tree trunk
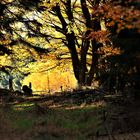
70,37
83,58
94,68
80,63
74,55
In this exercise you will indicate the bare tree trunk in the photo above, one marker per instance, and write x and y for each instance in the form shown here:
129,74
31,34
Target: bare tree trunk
83,59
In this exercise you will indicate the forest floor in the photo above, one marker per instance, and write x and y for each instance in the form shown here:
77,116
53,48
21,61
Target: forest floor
82,115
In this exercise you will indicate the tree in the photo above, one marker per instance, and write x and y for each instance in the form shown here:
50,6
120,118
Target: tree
122,20
69,16
79,45
87,28
14,53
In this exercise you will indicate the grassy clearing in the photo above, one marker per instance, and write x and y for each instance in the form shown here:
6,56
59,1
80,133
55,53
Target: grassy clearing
28,122
68,118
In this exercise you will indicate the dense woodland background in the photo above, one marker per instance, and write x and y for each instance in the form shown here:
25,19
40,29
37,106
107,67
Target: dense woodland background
84,52
73,42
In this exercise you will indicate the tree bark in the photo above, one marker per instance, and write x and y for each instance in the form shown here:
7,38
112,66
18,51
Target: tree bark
85,43
94,66
74,55
95,26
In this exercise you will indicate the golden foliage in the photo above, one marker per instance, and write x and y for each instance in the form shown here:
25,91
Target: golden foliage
58,79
